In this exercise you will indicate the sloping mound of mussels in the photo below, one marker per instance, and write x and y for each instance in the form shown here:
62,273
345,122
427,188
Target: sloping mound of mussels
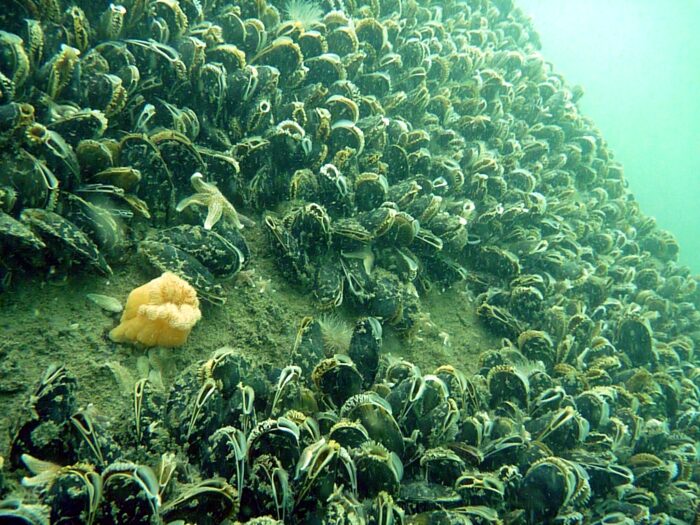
396,143
364,438
389,147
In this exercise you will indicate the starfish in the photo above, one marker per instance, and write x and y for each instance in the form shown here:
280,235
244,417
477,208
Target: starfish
207,194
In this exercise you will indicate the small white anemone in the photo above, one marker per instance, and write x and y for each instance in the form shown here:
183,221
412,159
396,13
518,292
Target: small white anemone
336,333
307,12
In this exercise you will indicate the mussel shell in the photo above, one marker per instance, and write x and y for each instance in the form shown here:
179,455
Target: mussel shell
526,302
372,32
46,440
329,285
442,465
348,434
375,415
91,441
480,489
200,421
212,250
31,180
387,301
208,502
95,155
544,489
85,124
64,239
16,236
168,258
105,92
378,469
503,451
73,494
635,339
365,347
219,457
267,490
11,115
312,44
229,367
150,410
156,187
119,176
337,378
308,346
54,398
342,41
376,84
180,156
283,54
421,496
94,220
234,30
278,437
326,69
310,226
370,191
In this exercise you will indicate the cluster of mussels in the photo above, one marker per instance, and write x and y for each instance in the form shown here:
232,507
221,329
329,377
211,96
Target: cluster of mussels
361,438
392,146
397,144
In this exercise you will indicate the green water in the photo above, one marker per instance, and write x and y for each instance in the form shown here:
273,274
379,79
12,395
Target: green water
638,62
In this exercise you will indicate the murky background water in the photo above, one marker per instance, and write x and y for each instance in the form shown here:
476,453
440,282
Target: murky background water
637,62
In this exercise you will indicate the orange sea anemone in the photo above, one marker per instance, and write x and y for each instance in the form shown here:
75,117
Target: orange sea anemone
160,313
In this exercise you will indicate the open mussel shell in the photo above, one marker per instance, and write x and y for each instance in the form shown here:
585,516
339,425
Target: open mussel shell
31,181
168,258
268,491
337,378
279,437
365,346
52,404
378,469
371,190
326,68
349,434
130,494
65,238
635,339
375,414
208,502
55,444
156,186
95,221
217,254
546,487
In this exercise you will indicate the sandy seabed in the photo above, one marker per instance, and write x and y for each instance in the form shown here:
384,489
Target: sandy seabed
43,323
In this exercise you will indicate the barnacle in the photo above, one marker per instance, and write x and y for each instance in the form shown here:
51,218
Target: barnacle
160,313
